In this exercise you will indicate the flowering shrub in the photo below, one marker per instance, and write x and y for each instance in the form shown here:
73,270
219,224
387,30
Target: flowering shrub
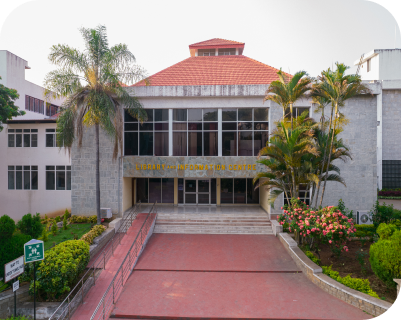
95,232
390,193
327,225
83,219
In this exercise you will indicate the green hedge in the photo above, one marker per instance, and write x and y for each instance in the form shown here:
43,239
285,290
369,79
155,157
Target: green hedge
60,269
11,249
83,219
385,256
364,230
31,224
95,232
362,285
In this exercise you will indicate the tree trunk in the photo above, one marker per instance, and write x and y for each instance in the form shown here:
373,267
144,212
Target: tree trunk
99,219
292,126
330,152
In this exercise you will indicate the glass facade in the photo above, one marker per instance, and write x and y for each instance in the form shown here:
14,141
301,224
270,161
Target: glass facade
150,190
239,190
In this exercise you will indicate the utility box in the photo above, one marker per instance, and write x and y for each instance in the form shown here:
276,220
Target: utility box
106,213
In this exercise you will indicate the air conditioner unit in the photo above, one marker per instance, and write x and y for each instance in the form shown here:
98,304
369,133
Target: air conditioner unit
106,213
363,217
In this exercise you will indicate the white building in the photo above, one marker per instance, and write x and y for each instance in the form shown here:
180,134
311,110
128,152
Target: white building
35,176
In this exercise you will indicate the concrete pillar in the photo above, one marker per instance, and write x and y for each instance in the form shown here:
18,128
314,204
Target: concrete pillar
175,191
127,193
218,191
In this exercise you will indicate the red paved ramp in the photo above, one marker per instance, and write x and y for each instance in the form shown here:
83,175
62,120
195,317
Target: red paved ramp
223,277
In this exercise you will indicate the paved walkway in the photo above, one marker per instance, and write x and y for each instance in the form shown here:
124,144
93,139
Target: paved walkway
95,294
223,277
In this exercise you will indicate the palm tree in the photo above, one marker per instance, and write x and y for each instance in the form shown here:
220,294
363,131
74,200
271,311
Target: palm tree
336,87
92,83
286,90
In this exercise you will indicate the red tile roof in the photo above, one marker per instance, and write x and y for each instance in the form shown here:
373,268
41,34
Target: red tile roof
215,42
214,70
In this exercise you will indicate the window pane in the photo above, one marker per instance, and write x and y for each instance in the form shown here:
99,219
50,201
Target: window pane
194,114
27,180
68,180
229,126
211,126
128,117
245,144
252,195
210,144
18,178
302,110
60,180
190,198
131,143
11,180
146,143
180,144
261,125
50,167
209,114
161,114
229,143
11,140
195,144
213,194
50,179
57,143
261,114
244,125
180,190
27,140
34,130
50,140
195,126
245,114
142,190
155,190
260,139
167,190
149,112
50,130
203,185
226,190
34,140
27,130
179,126
34,177
18,140
229,114
161,143
131,126
203,198
161,126
239,190
190,185
146,127
180,114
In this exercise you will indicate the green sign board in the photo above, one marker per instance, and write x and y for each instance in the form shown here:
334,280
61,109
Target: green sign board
34,250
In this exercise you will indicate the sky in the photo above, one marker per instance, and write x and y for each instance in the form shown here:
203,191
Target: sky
294,35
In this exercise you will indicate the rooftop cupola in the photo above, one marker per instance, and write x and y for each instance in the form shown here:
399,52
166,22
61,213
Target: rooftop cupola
216,47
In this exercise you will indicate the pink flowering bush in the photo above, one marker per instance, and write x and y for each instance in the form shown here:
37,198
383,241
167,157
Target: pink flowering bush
327,225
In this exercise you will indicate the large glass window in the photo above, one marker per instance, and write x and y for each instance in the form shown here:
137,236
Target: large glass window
25,138
245,131
239,190
150,190
23,177
51,138
58,177
195,132
149,138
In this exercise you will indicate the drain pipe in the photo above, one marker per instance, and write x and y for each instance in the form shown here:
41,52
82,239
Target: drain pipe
119,186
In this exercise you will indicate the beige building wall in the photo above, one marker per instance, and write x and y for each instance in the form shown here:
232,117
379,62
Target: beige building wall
128,200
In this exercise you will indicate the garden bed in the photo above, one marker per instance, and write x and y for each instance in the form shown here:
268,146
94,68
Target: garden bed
348,263
63,235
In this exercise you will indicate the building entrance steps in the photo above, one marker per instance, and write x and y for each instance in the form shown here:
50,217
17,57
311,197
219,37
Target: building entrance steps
199,276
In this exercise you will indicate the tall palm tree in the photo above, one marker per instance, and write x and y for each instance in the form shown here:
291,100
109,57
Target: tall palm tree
286,90
92,83
336,87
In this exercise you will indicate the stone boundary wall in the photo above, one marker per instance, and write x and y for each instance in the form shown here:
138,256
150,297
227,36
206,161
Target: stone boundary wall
7,301
315,273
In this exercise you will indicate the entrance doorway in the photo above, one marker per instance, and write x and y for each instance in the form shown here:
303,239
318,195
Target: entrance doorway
197,191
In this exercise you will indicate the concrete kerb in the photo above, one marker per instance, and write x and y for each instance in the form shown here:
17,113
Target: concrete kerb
398,281
315,273
276,227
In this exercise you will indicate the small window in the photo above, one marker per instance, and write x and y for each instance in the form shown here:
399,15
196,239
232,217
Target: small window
206,52
368,65
22,138
51,139
227,52
58,177
22,177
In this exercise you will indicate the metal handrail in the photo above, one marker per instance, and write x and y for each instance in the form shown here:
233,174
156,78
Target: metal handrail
115,288
71,302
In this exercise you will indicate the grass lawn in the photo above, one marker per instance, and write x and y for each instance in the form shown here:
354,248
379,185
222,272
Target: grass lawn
63,235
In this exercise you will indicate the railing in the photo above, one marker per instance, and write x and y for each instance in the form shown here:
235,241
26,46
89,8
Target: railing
77,295
112,293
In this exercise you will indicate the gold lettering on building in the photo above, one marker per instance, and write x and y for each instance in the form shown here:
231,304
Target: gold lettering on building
191,167
235,167
230,167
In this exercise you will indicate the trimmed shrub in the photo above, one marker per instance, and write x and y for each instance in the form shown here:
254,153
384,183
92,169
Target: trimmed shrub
45,236
385,258
60,269
362,285
95,232
386,230
67,214
83,219
57,219
7,227
384,214
11,249
54,228
364,230
31,225
65,226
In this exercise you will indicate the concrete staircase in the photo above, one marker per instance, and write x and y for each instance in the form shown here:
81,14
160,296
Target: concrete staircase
216,223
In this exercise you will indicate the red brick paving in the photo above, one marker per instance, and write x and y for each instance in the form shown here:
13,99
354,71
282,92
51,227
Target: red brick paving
223,277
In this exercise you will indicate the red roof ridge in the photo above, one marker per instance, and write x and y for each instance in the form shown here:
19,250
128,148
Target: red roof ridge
215,42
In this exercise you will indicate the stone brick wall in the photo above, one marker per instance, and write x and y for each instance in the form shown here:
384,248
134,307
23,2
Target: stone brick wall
7,301
83,163
391,124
